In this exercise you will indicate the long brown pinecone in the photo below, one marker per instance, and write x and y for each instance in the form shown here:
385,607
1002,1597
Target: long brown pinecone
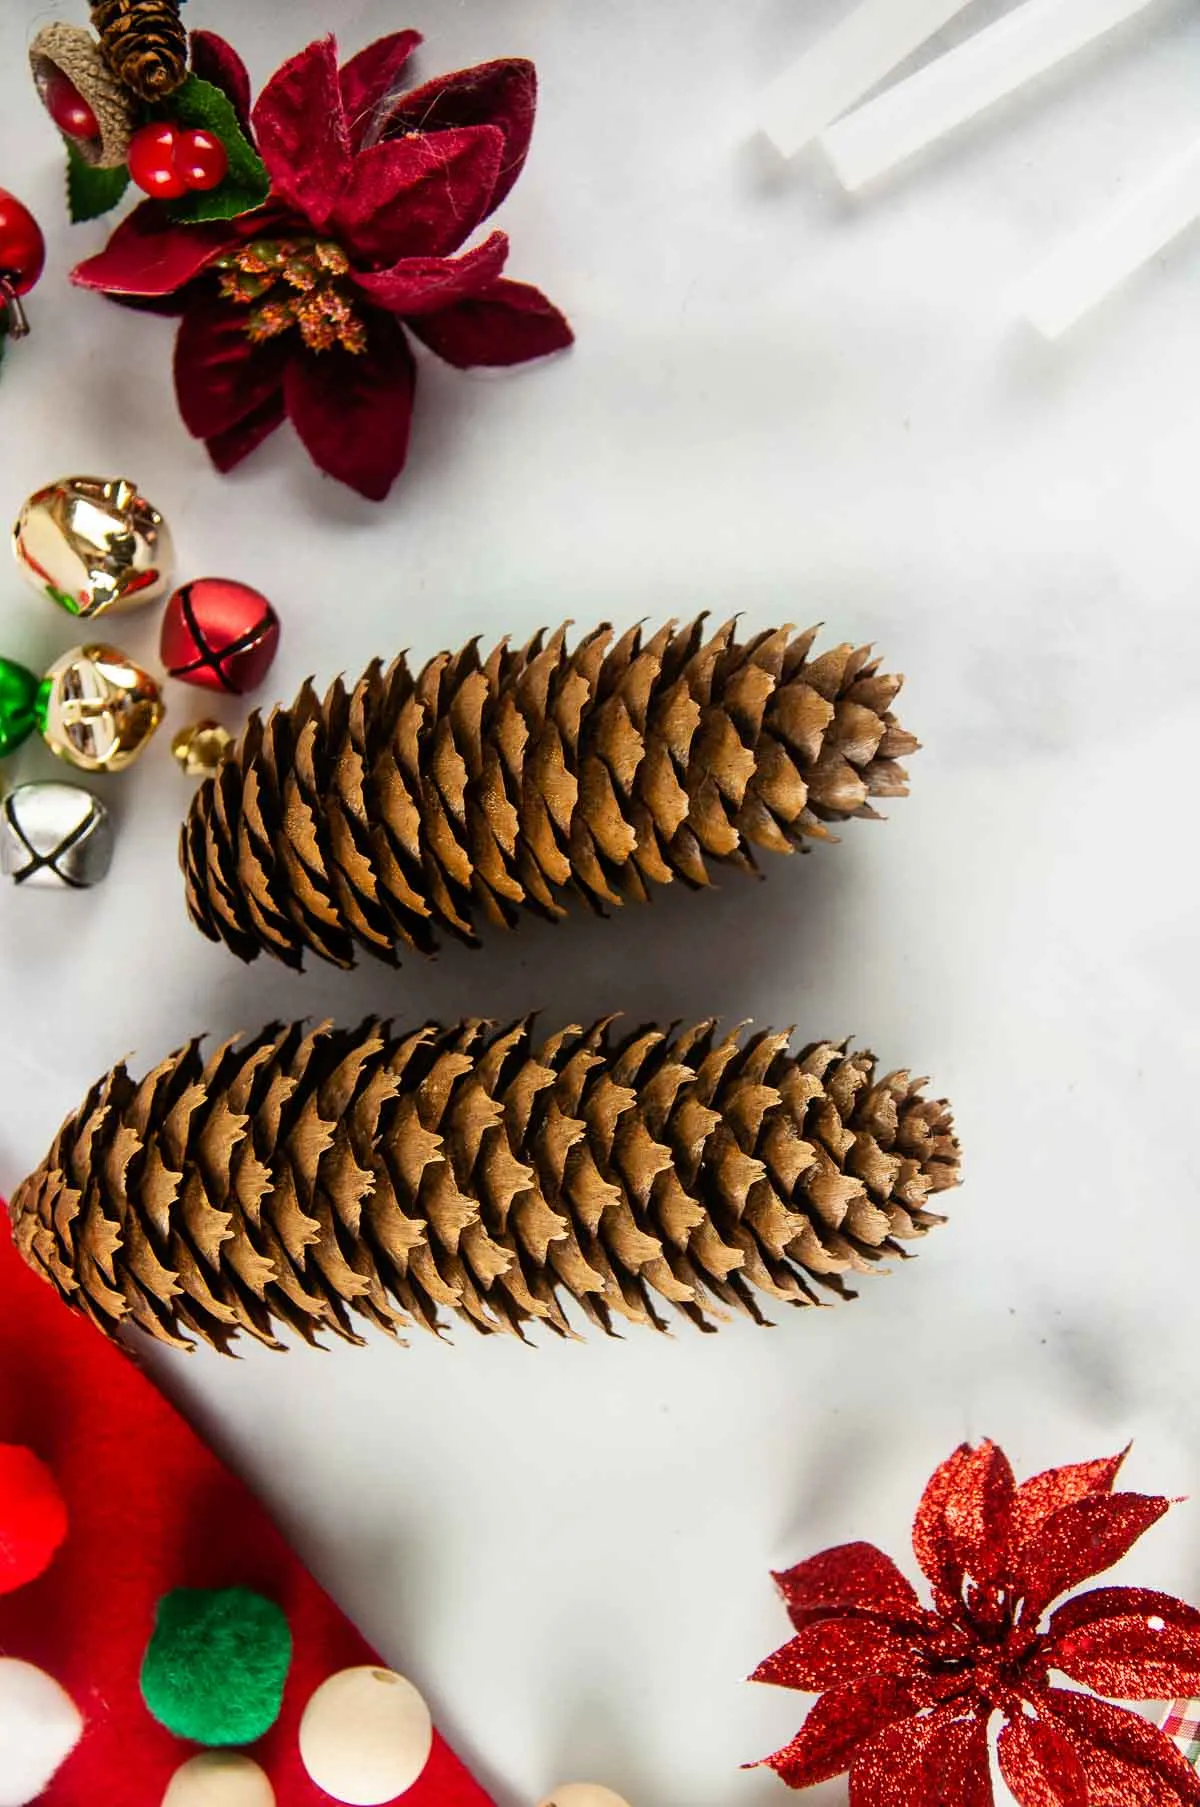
306,1175
377,816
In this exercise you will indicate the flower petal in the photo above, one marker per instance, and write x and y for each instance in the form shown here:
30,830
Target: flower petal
425,285
229,448
1050,1491
835,1651
836,1729
419,196
1086,1610
502,93
302,136
220,374
368,82
1084,1539
977,1512
941,1760
1129,1762
933,1545
1130,1643
354,413
854,1577
1040,1765
508,324
215,61
147,256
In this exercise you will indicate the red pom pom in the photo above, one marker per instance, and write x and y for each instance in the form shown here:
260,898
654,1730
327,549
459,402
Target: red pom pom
33,1517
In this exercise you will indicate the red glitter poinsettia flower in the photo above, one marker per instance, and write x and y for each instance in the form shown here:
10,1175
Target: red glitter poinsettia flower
908,1693
303,309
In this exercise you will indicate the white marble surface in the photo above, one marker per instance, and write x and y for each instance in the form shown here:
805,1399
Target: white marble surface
799,407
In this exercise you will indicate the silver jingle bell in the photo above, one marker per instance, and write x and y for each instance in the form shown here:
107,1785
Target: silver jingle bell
55,835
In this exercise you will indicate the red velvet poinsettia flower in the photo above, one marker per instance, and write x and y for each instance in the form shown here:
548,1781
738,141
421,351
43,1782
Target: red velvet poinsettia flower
304,308
908,1693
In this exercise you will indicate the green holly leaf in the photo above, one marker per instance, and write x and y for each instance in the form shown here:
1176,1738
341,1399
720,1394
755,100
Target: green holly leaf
92,191
202,104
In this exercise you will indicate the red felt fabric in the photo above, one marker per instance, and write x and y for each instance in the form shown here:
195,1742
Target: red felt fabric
33,1517
151,1508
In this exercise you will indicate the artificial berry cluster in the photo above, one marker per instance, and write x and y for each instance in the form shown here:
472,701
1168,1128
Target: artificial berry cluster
167,161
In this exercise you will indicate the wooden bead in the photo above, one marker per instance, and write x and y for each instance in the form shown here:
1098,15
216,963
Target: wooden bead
583,1794
219,1779
365,1736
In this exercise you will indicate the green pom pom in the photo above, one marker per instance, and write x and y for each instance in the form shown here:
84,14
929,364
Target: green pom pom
215,1668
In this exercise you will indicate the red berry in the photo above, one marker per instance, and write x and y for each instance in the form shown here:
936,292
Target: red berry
152,162
22,247
201,159
68,109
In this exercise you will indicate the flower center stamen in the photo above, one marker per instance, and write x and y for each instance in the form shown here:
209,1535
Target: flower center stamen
298,282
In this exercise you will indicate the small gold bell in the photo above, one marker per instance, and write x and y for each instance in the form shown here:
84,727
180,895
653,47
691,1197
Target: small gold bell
201,749
97,710
93,545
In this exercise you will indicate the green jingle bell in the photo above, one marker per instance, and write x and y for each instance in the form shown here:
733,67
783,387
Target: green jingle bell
18,705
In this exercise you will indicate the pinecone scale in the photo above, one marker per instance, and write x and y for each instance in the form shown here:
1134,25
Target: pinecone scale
316,1180
376,818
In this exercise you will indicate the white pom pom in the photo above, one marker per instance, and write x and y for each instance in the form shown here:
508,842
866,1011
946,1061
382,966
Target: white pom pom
40,1725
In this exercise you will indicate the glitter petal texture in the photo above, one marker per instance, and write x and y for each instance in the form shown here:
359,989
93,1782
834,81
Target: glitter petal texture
308,308
908,1693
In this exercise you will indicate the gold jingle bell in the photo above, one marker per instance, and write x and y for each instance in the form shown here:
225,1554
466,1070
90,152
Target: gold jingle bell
98,710
201,749
94,545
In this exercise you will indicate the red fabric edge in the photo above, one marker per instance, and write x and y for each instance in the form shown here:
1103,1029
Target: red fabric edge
151,1509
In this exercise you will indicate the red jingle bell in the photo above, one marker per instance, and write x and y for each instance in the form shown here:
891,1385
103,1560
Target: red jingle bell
219,634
